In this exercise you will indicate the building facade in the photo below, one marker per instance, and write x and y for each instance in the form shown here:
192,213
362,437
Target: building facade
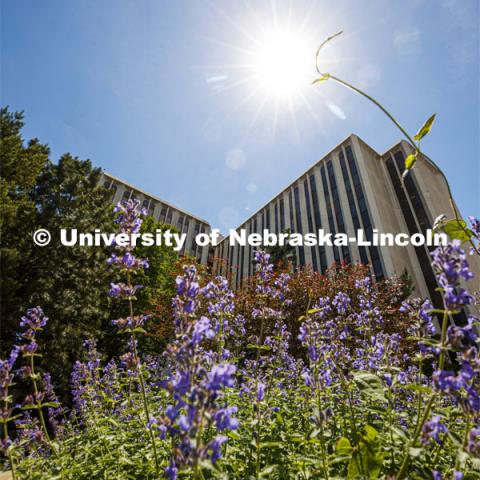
353,187
165,213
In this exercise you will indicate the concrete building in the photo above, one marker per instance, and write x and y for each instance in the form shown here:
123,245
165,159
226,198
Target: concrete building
354,187
351,188
164,212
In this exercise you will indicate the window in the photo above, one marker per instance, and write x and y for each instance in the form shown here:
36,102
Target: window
282,215
364,215
290,205
276,217
331,224
126,196
180,221
337,209
318,222
163,214
298,214
353,209
151,209
310,222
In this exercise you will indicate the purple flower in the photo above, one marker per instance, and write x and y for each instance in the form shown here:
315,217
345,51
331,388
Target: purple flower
223,419
450,265
221,376
432,430
260,392
473,445
171,471
216,447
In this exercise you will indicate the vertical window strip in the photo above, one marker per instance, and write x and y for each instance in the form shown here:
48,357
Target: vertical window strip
282,214
276,217
364,215
353,208
310,222
298,214
318,222
331,224
337,209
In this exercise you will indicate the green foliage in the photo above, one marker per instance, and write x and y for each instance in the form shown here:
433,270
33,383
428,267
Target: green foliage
20,166
70,282
281,255
158,280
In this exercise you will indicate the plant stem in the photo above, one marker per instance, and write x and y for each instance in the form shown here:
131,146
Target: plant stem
10,456
411,141
142,387
39,406
465,441
426,412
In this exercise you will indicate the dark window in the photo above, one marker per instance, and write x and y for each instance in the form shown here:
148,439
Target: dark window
364,215
331,224
310,222
163,214
318,222
169,216
282,215
231,258
290,204
193,246
298,214
338,209
107,183
180,220
126,195
422,255
292,221
276,217
353,209
238,266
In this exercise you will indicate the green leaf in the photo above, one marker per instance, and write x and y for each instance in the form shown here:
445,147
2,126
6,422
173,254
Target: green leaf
324,77
457,229
426,127
410,161
343,446
370,434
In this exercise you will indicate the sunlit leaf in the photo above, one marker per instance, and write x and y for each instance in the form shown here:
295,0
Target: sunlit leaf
410,161
457,230
343,446
425,128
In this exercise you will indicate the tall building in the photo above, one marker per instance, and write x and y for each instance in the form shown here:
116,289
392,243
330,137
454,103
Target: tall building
353,187
164,212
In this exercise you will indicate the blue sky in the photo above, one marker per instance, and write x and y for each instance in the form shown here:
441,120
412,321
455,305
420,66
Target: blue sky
164,94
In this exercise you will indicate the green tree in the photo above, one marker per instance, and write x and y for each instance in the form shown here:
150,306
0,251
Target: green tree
20,165
281,255
70,282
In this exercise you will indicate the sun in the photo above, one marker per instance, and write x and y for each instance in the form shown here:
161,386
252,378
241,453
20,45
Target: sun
282,65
